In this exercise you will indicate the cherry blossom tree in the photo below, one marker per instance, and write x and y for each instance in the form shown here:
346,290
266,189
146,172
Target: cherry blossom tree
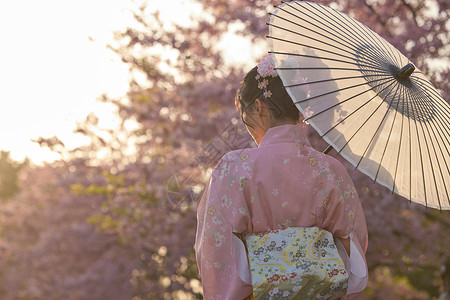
116,218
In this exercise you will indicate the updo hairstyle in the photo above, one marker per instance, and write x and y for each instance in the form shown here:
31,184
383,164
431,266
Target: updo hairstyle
280,104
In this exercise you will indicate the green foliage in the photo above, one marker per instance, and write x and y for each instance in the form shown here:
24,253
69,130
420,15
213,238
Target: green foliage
114,215
422,279
9,175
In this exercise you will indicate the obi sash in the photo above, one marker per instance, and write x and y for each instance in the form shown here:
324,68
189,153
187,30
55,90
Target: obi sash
295,263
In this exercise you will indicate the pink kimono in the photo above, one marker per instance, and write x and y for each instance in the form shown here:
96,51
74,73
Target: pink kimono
282,183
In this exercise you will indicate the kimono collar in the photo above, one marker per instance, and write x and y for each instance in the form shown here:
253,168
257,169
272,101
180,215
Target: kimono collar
286,134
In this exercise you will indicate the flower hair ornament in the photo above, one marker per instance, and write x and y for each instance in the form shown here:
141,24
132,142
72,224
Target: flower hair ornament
266,71
266,74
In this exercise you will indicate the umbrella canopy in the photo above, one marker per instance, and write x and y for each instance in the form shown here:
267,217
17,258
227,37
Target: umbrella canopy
365,98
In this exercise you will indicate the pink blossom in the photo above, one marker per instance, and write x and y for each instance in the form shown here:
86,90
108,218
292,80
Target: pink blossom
266,67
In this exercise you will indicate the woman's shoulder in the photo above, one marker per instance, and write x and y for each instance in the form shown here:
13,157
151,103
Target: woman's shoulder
335,164
331,161
236,161
240,155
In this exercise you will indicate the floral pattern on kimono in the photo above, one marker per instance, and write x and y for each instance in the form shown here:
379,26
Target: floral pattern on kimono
282,183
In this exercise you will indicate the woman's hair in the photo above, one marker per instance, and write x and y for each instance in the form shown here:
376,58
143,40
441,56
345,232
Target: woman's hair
279,102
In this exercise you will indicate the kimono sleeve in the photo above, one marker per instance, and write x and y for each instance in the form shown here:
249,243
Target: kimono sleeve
344,218
222,211
343,213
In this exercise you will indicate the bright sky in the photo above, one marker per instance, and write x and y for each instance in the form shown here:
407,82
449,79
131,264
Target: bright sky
51,72
54,64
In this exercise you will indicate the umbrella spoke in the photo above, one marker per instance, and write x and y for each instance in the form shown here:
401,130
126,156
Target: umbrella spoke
442,130
343,101
372,59
315,48
438,112
308,37
348,141
379,126
327,58
335,91
368,33
326,68
337,28
330,79
324,17
400,145
372,34
436,155
307,28
420,149
410,151
355,49
416,106
390,131
442,103
363,37
433,91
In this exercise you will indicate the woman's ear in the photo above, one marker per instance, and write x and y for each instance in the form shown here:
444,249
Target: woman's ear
258,105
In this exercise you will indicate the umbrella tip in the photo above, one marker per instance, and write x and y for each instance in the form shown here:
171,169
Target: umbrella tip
406,71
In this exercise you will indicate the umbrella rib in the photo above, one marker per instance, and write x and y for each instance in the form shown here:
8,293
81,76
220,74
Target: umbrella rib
442,130
371,35
442,103
323,17
352,97
348,141
331,68
330,79
352,42
365,32
322,58
420,152
430,89
335,91
400,144
441,109
426,82
306,36
436,156
379,125
311,47
410,152
428,150
439,113
390,131
304,20
309,29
